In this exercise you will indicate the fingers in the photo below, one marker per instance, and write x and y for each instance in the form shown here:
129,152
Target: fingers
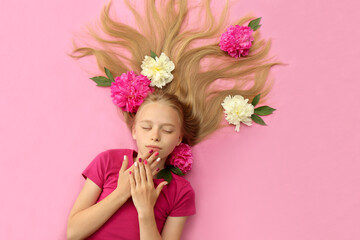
154,164
153,160
148,172
124,164
149,154
137,174
132,180
143,174
160,187
153,157
156,171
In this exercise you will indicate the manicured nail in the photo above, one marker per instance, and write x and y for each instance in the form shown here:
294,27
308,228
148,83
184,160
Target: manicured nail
151,151
124,157
157,169
129,172
157,153
166,183
135,164
145,162
139,159
158,159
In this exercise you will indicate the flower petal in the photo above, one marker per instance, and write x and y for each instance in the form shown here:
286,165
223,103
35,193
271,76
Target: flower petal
237,109
158,70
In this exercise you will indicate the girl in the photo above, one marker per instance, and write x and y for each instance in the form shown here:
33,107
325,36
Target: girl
158,128
177,99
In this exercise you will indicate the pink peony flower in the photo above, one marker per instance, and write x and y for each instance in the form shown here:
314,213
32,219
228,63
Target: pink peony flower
129,91
236,41
181,157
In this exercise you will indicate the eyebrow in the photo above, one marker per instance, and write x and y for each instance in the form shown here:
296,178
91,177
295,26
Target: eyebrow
148,121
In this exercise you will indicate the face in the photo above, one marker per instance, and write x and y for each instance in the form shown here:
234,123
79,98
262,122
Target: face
157,127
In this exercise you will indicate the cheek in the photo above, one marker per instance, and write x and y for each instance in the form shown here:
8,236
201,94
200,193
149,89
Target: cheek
174,140
138,135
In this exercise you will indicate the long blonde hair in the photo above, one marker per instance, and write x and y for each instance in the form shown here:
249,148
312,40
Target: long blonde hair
163,29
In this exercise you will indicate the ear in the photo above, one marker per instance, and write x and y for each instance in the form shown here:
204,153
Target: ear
180,140
133,132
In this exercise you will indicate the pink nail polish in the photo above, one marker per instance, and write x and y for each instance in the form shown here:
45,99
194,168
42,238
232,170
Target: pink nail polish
151,151
145,162
157,153
129,172
157,169
139,159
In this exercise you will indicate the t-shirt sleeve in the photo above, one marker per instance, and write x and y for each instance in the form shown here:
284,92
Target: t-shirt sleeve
95,171
185,204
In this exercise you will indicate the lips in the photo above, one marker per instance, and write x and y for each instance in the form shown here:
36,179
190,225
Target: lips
153,147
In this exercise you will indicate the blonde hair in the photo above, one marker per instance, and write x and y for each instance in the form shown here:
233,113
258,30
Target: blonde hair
164,29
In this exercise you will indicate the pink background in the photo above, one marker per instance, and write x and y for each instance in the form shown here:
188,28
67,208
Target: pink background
297,178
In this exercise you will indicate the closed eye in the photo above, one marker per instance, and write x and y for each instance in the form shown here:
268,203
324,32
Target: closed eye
149,128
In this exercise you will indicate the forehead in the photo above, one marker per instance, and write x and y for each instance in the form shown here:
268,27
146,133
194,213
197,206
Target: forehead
158,113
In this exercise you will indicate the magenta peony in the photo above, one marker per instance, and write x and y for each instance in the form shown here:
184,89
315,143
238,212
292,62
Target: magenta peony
129,91
236,41
181,157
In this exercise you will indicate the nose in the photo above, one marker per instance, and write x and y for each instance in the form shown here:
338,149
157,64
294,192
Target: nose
155,136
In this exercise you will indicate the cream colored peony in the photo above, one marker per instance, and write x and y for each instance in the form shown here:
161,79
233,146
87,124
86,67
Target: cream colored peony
158,70
238,110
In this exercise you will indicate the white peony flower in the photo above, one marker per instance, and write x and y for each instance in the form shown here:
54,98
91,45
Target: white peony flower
238,110
158,70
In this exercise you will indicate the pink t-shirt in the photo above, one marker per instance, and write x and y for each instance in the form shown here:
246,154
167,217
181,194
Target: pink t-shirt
176,199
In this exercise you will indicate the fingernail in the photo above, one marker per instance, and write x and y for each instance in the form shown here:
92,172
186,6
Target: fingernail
145,162
124,157
158,159
135,164
139,159
157,169
151,151
129,172
166,183
157,153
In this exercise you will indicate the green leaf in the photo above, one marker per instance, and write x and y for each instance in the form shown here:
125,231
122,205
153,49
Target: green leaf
101,81
165,174
256,100
264,110
177,171
110,76
254,24
153,55
257,27
258,119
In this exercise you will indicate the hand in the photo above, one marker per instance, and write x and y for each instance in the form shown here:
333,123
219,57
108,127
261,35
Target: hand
123,184
143,192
